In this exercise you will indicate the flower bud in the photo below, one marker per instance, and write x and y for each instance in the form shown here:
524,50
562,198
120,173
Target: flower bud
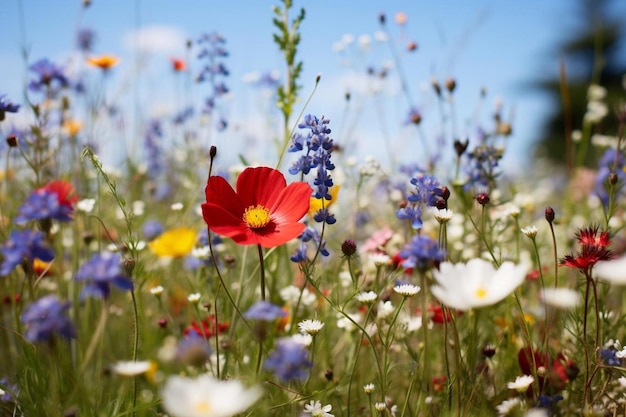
450,85
12,141
460,147
549,214
483,199
348,247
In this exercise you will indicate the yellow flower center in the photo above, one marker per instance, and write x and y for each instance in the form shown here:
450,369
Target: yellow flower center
256,216
202,407
481,292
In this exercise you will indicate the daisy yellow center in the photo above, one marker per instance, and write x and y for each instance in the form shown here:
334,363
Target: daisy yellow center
202,406
256,216
481,292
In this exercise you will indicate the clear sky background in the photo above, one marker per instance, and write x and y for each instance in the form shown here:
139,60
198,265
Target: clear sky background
493,44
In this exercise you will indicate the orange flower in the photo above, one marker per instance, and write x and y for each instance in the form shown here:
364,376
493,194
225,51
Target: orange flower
72,127
104,62
401,18
178,64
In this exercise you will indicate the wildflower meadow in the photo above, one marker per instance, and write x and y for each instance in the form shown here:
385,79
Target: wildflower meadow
186,273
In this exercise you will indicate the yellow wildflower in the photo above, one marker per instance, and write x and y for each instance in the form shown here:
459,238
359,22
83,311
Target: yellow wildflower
316,203
104,62
174,243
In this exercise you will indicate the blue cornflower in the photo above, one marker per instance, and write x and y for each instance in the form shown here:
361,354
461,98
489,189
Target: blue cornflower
10,391
214,71
100,272
85,38
300,254
45,318
323,215
422,252
309,235
43,204
152,229
47,72
263,310
193,349
152,140
411,213
611,161
6,106
183,115
609,358
546,401
427,192
289,360
24,244
482,164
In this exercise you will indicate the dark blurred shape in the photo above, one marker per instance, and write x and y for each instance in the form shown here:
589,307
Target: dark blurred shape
589,54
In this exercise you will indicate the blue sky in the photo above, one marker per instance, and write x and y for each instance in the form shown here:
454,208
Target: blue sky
491,44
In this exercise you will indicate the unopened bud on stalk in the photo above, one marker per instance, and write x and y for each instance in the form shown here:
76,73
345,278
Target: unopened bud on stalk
549,214
483,199
451,85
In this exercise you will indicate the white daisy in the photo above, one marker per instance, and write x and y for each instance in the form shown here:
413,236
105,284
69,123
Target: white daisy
521,383
564,298
369,388
476,283
530,231
613,271
316,409
206,396
193,298
311,327
132,368
407,290
367,297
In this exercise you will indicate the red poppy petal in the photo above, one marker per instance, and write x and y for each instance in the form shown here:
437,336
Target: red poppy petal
64,191
283,234
222,221
292,203
260,185
219,192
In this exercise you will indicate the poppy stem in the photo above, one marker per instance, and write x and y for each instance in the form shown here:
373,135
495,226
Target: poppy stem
262,272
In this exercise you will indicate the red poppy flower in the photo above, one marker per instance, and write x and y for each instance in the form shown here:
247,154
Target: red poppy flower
264,210
207,327
66,195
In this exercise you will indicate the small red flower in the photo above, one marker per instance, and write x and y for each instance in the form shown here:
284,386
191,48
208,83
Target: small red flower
66,195
439,315
207,327
594,248
178,64
264,210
